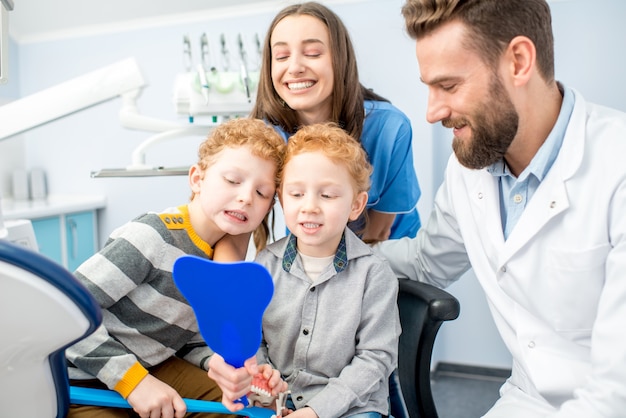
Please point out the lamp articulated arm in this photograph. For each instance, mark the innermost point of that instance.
(69, 97)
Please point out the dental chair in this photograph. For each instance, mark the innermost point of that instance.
(43, 310)
(423, 309)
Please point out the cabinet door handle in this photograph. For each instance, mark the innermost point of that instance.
(74, 242)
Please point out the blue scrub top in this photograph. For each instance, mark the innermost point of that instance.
(387, 139)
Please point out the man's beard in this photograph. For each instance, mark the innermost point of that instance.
(494, 127)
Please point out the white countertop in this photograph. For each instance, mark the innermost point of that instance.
(53, 205)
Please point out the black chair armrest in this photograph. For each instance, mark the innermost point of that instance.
(423, 308)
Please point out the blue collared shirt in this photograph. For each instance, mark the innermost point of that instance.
(515, 193)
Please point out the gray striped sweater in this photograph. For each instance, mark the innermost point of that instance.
(146, 320)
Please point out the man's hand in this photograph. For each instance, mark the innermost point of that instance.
(153, 398)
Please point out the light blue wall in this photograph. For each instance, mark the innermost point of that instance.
(12, 151)
(11, 90)
(590, 37)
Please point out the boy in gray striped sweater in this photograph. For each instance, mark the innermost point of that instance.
(149, 348)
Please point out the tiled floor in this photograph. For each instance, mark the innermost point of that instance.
(462, 391)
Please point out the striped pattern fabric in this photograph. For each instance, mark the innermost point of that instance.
(145, 318)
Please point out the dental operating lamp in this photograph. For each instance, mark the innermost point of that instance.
(200, 92)
(122, 79)
(69, 97)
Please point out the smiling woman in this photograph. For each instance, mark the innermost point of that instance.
(309, 75)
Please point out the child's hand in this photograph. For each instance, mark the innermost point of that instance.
(302, 413)
(154, 398)
(231, 248)
(274, 381)
(265, 387)
(234, 383)
(269, 390)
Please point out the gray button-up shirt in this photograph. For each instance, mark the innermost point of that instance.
(334, 340)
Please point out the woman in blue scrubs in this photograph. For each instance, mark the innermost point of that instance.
(309, 75)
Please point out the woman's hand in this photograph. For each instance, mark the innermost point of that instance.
(378, 226)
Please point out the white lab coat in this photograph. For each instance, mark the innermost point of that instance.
(557, 286)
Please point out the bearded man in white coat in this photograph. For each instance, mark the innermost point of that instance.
(533, 200)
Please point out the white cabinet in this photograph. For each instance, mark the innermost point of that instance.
(66, 228)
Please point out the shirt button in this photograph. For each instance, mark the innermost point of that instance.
(299, 398)
(503, 269)
(531, 344)
(305, 331)
(312, 289)
(517, 198)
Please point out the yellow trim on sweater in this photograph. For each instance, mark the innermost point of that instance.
(131, 379)
(182, 221)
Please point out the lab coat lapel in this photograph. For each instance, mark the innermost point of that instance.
(485, 199)
(551, 197)
(548, 202)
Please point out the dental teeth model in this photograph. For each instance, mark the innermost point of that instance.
(260, 392)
